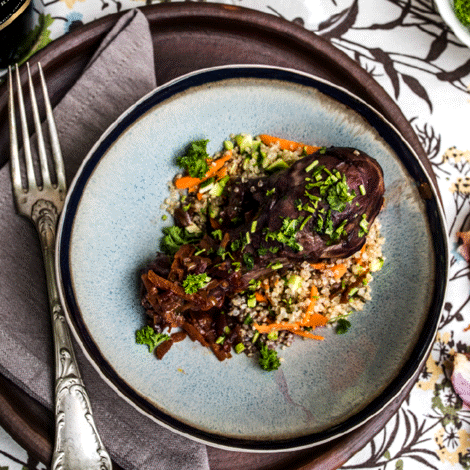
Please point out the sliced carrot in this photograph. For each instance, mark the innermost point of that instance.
(313, 299)
(221, 173)
(339, 270)
(219, 163)
(277, 327)
(314, 320)
(285, 144)
(295, 328)
(186, 182)
(199, 196)
(306, 334)
(189, 182)
(311, 320)
(260, 297)
(319, 266)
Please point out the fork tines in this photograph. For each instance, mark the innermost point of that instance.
(46, 176)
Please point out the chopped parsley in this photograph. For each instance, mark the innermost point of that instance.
(268, 358)
(248, 260)
(339, 195)
(235, 245)
(236, 265)
(270, 192)
(286, 234)
(195, 159)
(217, 234)
(194, 282)
(342, 326)
(254, 284)
(148, 336)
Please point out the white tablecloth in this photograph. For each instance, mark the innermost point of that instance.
(409, 50)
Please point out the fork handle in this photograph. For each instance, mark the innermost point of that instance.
(77, 445)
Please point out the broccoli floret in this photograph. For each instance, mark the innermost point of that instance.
(268, 358)
(195, 159)
(147, 335)
(462, 11)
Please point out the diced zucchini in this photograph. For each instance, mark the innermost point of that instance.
(376, 265)
(294, 281)
(251, 301)
(192, 229)
(244, 141)
(213, 212)
(218, 187)
(277, 165)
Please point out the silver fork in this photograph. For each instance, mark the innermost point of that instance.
(77, 445)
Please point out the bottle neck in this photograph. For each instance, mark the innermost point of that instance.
(19, 6)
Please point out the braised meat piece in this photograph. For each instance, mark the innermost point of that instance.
(319, 208)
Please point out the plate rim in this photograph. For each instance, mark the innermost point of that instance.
(390, 392)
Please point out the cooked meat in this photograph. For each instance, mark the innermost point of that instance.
(319, 208)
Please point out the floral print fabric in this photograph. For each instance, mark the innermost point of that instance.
(409, 50)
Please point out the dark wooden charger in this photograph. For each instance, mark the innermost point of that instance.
(187, 37)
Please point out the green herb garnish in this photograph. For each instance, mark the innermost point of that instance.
(194, 282)
(248, 260)
(195, 159)
(217, 234)
(175, 237)
(286, 234)
(339, 195)
(148, 336)
(342, 326)
(268, 358)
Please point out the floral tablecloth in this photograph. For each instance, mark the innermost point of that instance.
(410, 51)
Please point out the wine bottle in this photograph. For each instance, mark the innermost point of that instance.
(15, 23)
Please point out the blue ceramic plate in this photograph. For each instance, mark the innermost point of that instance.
(112, 224)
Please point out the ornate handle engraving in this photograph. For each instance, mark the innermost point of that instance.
(78, 445)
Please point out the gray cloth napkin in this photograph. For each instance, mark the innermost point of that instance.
(121, 72)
